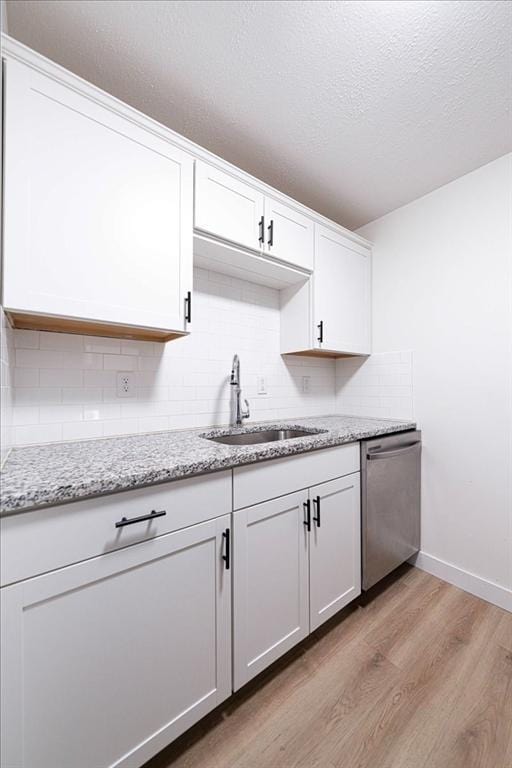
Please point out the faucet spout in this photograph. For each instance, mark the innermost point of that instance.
(239, 413)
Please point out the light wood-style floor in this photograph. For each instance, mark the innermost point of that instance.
(421, 677)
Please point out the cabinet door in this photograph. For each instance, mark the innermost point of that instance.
(341, 293)
(97, 210)
(227, 207)
(270, 583)
(289, 235)
(107, 661)
(334, 547)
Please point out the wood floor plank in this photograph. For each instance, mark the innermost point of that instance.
(504, 632)
(421, 677)
(479, 735)
(398, 638)
(390, 717)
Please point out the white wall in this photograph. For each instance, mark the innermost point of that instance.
(443, 288)
(64, 385)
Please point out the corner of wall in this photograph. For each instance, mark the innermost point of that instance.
(380, 385)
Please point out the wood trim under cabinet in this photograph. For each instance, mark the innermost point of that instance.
(31, 322)
(322, 353)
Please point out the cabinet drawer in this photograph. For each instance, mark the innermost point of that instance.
(46, 539)
(259, 482)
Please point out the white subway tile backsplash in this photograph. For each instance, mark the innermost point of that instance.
(380, 385)
(140, 348)
(82, 430)
(6, 387)
(82, 394)
(39, 395)
(60, 378)
(26, 377)
(102, 345)
(56, 360)
(26, 339)
(61, 341)
(99, 378)
(37, 433)
(101, 412)
(119, 363)
(25, 414)
(71, 379)
(49, 414)
(120, 427)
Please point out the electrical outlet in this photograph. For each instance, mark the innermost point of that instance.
(305, 384)
(262, 385)
(125, 384)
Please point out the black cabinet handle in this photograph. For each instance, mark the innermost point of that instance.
(227, 556)
(261, 238)
(320, 327)
(316, 517)
(188, 307)
(130, 521)
(307, 509)
(271, 232)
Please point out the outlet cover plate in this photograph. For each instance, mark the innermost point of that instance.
(125, 384)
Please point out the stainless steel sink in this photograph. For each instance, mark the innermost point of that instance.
(266, 436)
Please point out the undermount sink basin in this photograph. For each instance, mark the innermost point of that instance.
(266, 436)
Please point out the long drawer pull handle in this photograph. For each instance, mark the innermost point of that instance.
(389, 454)
(316, 518)
(261, 224)
(130, 521)
(188, 307)
(307, 509)
(271, 232)
(227, 556)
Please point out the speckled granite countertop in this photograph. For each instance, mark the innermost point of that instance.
(39, 476)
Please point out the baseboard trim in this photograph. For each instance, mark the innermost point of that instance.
(469, 582)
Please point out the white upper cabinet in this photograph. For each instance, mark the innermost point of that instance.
(104, 215)
(289, 235)
(236, 212)
(341, 294)
(227, 207)
(97, 213)
(330, 314)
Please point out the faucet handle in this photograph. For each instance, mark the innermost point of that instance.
(246, 414)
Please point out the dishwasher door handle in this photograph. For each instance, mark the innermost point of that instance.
(394, 452)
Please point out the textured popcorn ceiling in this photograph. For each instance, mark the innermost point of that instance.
(353, 108)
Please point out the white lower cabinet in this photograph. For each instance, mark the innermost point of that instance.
(334, 547)
(120, 630)
(296, 562)
(106, 661)
(270, 584)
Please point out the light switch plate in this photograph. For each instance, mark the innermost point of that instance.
(262, 385)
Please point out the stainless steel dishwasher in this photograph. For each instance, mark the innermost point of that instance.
(390, 503)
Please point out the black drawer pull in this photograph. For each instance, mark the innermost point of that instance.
(261, 225)
(271, 232)
(188, 307)
(130, 521)
(227, 556)
(316, 517)
(307, 521)
(320, 327)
